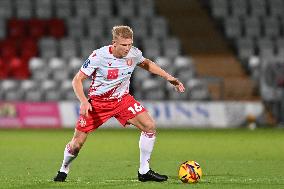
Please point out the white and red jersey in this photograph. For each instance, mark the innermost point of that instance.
(110, 75)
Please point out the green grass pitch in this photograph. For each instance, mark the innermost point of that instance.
(231, 158)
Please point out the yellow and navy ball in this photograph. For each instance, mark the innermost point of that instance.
(190, 172)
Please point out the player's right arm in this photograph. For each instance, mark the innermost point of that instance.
(77, 84)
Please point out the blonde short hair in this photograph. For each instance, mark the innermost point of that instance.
(122, 31)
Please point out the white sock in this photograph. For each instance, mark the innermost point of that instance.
(68, 158)
(146, 144)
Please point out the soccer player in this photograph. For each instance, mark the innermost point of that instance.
(111, 68)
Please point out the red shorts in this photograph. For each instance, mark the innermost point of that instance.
(124, 109)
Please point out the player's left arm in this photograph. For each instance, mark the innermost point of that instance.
(155, 69)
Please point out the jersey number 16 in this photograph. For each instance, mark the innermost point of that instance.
(136, 108)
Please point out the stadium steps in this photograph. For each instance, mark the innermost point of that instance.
(211, 53)
(236, 85)
(191, 23)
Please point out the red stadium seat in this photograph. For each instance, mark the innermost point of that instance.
(3, 69)
(27, 54)
(18, 69)
(8, 49)
(16, 28)
(21, 74)
(28, 49)
(36, 28)
(56, 28)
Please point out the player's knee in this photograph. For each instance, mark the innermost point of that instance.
(150, 127)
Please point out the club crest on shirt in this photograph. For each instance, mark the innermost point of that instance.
(129, 62)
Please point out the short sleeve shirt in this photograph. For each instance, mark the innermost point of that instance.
(110, 75)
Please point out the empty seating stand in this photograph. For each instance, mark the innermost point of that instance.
(256, 30)
(45, 42)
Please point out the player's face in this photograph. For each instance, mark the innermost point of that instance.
(122, 46)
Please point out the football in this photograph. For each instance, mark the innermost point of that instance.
(190, 172)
